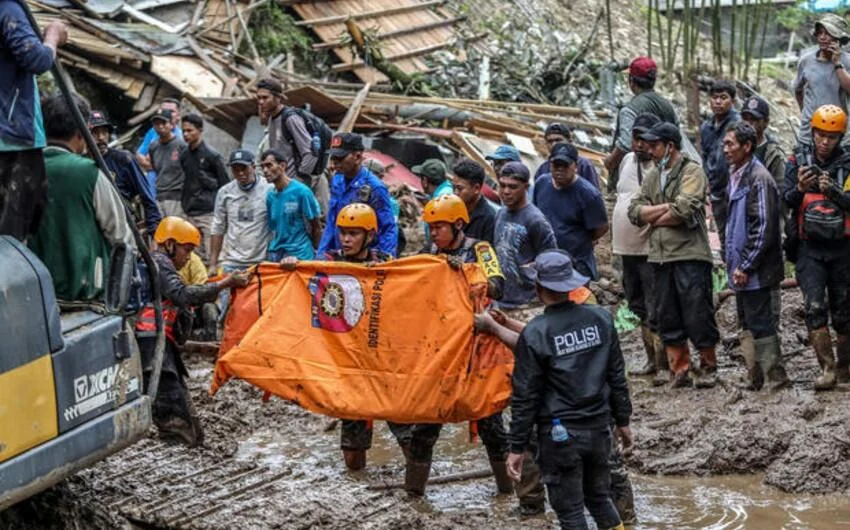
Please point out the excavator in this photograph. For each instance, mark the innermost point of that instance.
(71, 385)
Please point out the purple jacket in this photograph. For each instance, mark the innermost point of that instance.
(753, 243)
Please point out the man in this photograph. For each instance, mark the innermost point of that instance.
(632, 244)
(358, 228)
(447, 216)
(293, 212)
(173, 412)
(817, 191)
(143, 153)
(432, 175)
(672, 202)
(711, 134)
(240, 226)
(378, 169)
(354, 183)
(574, 208)
(642, 74)
(502, 155)
(84, 216)
(165, 154)
(522, 232)
(468, 182)
(289, 136)
(23, 183)
(128, 176)
(205, 174)
(558, 133)
(754, 256)
(822, 77)
(558, 383)
(756, 112)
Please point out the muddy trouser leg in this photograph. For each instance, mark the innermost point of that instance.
(355, 435)
(693, 289)
(633, 286)
(418, 467)
(838, 288)
(622, 493)
(403, 433)
(492, 432)
(812, 278)
(23, 192)
(755, 311)
(576, 476)
(171, 394)
(530, 490)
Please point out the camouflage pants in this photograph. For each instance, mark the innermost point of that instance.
(356, 435)
(491, 430)
(23, 192)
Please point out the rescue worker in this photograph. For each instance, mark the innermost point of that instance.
(569, 380)
(173, 412)
(128, 175)
(672, 201)
(447, 216)
(754, 256)
(357, 225)
(817, 191)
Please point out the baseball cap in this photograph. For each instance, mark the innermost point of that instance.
(98, 119)
(644, 122)
(564, 152)
(756, 107)
(162, 114)
(504, 152)
(343, 144)
(663, 131)
(515, 170)
(272, 85)
(643, 66)
(432, 169)
(241, 157)
(557, 128)
(553, 269)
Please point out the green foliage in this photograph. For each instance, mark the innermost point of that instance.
(793, 17)
(274, 33)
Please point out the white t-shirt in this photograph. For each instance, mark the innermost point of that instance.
(242, 218)
(626, 238)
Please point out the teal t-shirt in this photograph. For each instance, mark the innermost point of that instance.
(289, 212)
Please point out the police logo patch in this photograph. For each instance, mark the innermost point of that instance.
(337, 302)
(753, 104)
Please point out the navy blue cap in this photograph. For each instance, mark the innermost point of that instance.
(241, 157)
(756, 107)
(515, 170)
(564, 152)
(553, 269)
(343, 144)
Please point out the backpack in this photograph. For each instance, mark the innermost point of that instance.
(318, 130)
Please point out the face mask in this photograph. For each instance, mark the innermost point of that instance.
(663, 163)
(249, 186)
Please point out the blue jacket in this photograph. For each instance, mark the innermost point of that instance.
(22, 56)
(345, 192)
(131, 182)
(753, 243)
(713, 160)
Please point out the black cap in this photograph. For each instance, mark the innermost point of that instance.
(557, 128)
(515, 170)
(663, 131)
(343, 144)
(756, 107)
(564, 152)
(553, 269)
(99, 119)
(241, 157)
(163, 114)
(644, 122)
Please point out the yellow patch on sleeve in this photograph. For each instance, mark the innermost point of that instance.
(487, 260)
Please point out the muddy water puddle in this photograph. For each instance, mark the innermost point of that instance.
(716, 503)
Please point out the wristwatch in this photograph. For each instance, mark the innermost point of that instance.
(838, 66)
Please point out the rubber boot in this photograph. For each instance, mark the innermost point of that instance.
(663, 375)
(648, 345)
(769, 354)
(842, 363)
(754, 379)
(500, 471)
(416, 476)
(707, 377)
(209, 314)
(620, 526)
(679, 357)
(822, 343)
(355, 459)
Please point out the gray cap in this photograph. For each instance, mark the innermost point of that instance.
(553, 270)
(835, 25)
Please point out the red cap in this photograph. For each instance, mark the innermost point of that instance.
(643, 67)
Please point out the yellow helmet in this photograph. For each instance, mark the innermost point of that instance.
(178, 229)
(357, 215)
(447, 209)
(829, 118)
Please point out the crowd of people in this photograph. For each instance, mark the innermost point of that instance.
(293, 198)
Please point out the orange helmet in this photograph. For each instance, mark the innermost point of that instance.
(357, 215)
(447, 209)
(178, 229)
(829, 118)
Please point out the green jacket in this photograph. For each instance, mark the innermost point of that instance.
(69, 240)
(685, 190)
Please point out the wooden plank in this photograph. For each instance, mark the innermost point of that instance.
(217, 25)
(364, 15)
(461, 141)
(404, 55)
(202, 55)
(353, 111)
(186, 74)
(399, 32)
(145, 99)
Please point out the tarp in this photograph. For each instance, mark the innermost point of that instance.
(393, 341)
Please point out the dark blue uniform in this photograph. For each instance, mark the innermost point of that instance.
(132, 183)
